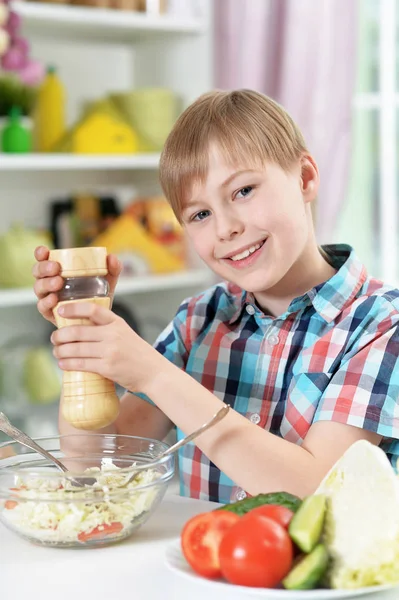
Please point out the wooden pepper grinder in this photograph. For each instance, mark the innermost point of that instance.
(89, 400)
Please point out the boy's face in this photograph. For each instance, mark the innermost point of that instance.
(252, 226)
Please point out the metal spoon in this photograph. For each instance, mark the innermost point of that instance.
(22, 438)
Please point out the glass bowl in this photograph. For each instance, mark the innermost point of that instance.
(51, 508)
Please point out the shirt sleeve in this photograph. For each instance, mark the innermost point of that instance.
(364, 391)
(172, 343)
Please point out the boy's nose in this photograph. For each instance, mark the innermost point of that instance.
(228, 227)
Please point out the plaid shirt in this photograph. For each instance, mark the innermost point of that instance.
(332, 356)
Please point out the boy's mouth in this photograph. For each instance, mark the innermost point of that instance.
(246, 253)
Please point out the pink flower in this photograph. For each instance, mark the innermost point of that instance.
(13, 24)
(32, 73)
(22, 44)
(13, 59)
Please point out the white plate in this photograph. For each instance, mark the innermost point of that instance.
(177, 563)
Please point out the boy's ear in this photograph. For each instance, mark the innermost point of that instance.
(309, 178)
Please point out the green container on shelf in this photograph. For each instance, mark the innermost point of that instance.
(15, 137)
(151, 112)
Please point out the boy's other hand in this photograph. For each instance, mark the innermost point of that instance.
(114, 267)
(49, 281)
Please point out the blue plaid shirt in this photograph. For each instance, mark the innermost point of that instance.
(332, 356)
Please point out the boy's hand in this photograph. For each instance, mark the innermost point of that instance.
(110, 348)
(49, 282)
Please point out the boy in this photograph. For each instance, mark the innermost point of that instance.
(300, 342)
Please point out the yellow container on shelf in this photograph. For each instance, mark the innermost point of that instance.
(125, 235)
(101, 134)
(49, 114)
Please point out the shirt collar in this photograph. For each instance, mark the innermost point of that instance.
(329, 298)
(240, 300)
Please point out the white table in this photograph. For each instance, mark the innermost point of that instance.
(132, 570)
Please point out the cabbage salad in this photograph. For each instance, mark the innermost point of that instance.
(55, 511)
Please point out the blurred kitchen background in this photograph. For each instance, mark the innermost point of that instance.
(89, 90)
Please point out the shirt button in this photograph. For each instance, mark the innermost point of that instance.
(240, 495)
(250, 309)
(273, 339)
(255, 418)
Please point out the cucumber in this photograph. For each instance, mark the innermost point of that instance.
(306, 525)
(309, 571)
(281, 498)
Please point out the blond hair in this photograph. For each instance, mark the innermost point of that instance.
(249, 129)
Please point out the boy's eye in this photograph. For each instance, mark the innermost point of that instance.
(245, 191)
(200, 216)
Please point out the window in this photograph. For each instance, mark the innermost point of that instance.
(369, 220)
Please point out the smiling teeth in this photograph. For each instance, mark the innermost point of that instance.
(246, 252)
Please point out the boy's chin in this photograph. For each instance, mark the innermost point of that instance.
(253, 284)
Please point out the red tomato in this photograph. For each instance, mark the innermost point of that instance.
(100, 532)
(280, 514)
(200, 540)
(256, 552)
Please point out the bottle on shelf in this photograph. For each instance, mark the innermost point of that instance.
(49, 114)
(15, 137)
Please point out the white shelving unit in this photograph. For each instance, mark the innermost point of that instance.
(102, 23)
(70, 162)
(99, 51)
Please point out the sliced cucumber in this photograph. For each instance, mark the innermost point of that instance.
(307, 523)
(281, 498)
(310, 570)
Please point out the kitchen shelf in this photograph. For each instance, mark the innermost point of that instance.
(126, 285)
(73, 162)
(101, 23)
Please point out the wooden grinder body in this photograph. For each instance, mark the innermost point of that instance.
(89, 401)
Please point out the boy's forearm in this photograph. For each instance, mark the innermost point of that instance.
(253, 458)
